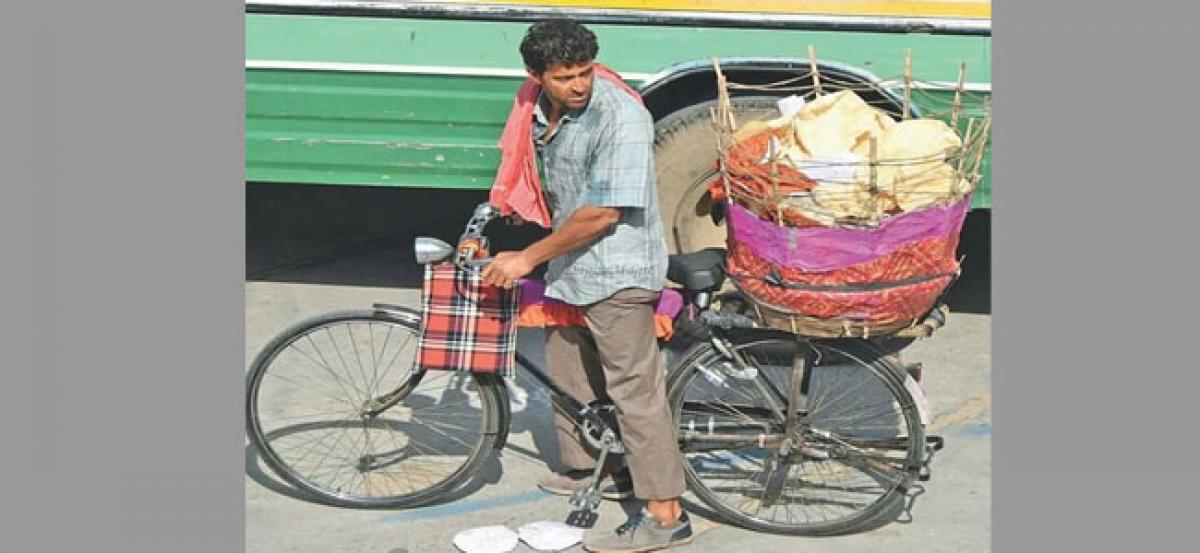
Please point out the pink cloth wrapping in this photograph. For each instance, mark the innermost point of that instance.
(517, 187)
(831, 248)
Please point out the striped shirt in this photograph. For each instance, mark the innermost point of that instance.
(603, 155)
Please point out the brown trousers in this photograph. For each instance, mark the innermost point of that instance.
(617, 357)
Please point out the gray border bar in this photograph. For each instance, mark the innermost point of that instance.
(130, 360)
(1095, 302)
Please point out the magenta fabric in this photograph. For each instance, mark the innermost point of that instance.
(669, 303)
(533, 291)
(831, 248)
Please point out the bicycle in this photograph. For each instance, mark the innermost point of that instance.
(778, 432)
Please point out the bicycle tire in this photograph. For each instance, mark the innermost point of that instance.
(396, 478)
(861, 499)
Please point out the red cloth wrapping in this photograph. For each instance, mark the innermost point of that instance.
(517, 187)
(898, 286)
(880, 307)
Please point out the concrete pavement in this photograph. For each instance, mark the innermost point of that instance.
(953, 515)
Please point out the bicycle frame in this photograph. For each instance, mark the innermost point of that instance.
(582, 413)
(577, 410)
(779, 435)
(782, 404)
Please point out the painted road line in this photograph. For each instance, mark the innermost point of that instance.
(965, 411)
(458, 508)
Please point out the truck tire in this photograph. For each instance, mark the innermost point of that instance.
(685, 158)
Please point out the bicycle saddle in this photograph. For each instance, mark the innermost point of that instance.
(698, 271)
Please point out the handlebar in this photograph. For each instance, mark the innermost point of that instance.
(465, 257)
(472, 242)
(477, 263)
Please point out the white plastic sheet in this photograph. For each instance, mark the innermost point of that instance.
(545, 535)
(486, 539)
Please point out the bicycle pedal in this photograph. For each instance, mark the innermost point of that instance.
(582, 518)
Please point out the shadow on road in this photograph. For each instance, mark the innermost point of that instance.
(488, 473)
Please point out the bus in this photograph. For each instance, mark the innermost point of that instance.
(380, 93)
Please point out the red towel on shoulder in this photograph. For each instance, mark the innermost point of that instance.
(517, 186)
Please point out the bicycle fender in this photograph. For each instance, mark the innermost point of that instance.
(500, 425)
(405, 314)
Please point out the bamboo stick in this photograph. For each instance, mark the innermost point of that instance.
(873, 169)
(907, 83)
(724, 128)
(962, 155)
(723, 96)
(962, 74)
(987, 126)
(816, 74)
(778, 195)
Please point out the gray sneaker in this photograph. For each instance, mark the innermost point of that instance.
(613, 488)
(640, 533)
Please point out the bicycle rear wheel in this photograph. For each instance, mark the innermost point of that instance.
(861, 438)
(336, 407)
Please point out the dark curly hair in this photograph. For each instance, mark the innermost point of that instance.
(557, 41)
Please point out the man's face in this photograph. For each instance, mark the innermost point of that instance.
(567, 86)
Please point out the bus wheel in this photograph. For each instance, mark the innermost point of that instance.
(685, 157)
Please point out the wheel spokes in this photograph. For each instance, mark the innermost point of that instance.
(318, 409)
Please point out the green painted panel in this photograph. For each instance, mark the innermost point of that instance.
(427, 130)
(374, 129)
(626, 48)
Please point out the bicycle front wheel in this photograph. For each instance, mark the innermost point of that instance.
(337, 407)
(846, 468)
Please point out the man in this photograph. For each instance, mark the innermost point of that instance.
(607, 254)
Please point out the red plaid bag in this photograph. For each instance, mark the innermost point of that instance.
(467, 325)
